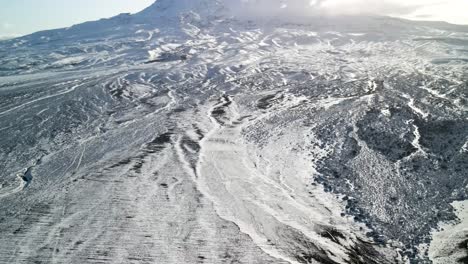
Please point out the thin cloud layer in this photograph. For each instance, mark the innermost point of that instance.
(382, 7)
(447, 10)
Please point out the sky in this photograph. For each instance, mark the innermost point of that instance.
(20, 17)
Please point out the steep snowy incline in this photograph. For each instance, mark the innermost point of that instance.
(185, 134)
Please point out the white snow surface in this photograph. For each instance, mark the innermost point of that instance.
(190, 133)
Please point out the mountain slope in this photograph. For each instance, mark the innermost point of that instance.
(188, 134)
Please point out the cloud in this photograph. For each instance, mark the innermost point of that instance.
(5, 37)
(304, 8)
(453, 11)
(7, 31)
(6, 26)
(383, 7)
(273, 8)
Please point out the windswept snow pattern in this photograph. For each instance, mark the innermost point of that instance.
(183, 134)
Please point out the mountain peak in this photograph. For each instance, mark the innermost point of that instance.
(173, 8)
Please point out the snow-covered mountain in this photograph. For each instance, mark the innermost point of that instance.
(130, 38)
(194, 132)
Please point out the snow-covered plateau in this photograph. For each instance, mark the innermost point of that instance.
(188, 133)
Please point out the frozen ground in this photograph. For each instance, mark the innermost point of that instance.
(183, 135)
